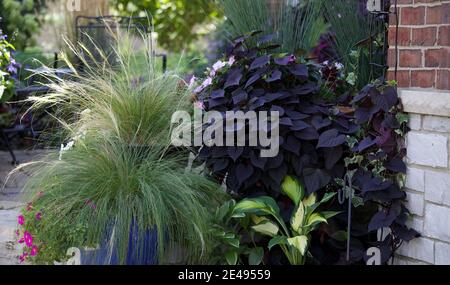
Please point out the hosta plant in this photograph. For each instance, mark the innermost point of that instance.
(266, 219)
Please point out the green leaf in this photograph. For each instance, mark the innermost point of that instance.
(299, 242)
(329, 214)
(293, 189)
(327, 197)
(233, 242)
(276, 240)
(297, 218)
(315, 219)
(267, 228)
(260, 206)
(256, 256)
(231, 257)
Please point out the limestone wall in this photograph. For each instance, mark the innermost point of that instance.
(428, 177)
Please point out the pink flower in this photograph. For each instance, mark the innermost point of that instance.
(199, 105)
(28, 239)
(90, 204)
(29, 206)
(231, 60)
(22, 240)
(23, 257)
(21, 220)
(206, 83)
(34, 251)
(218, 65)
(38, 216)
(192, 81)
(17, 233)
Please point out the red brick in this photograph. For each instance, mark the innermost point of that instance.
(391, 57)
(444, 36)
(433, 57)
(424, 36)
(443, 79)
(404, 36)
(422, 78)
(410, 58)
(412, 15)
(446, 13)
(403, 77)
(434, 15)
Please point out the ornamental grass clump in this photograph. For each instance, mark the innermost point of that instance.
(118, 175)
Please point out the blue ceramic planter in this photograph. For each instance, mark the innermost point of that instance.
(107, 253)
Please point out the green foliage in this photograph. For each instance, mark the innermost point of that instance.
(352, 30)
(119, 168)
(6, 82)
(267, 221)
(19, 21)
(177, 23)
(296, 26)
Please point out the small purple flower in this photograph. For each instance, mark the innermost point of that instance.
(34, 251)
(21, 220)
(28, 239)
(38, 216)
(17, 232)
(21, 240)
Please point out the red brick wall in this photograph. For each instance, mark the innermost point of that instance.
(423, 43)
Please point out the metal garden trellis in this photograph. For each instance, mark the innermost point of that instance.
(379, 12)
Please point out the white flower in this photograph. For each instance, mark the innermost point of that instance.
(351, 78)
(338, 65)
(325, 62)
(65, 148)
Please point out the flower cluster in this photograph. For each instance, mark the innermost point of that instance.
(8, 68)
(24, 236)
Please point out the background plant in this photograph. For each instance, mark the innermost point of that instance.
(352, 44)
(295, 25)
(19, 21)
(178, 23)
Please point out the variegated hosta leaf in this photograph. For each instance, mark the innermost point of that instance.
(292, 188)
(310, 200)
(315, 219)
(297, 219)
(261, 206)
(299, 242)
(267, 228)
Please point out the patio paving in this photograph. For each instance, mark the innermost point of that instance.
(11, 202)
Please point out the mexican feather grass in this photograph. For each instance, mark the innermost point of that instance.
(121, 171)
